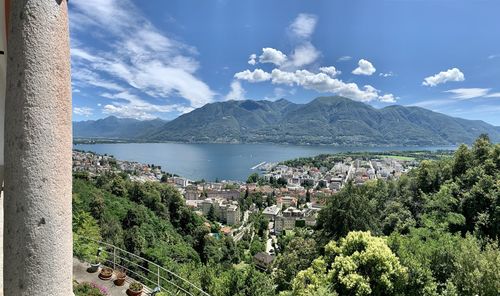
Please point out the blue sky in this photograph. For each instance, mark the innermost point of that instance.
(147, 59)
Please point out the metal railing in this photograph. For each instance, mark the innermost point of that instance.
(145, 271)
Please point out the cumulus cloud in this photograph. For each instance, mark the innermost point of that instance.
(237, 92)
(133, 56)
(303, 26)
(320, 82)
(453, 74)
(257, 75)
(324, 83)
(252, 60)
(387, 98)
(364, 68)
(83, 111)
(273, 56)
(468, 93)
(332, 71)
(304, 54)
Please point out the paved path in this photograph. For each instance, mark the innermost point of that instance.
(81, 275)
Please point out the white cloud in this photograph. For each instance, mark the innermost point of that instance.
(344, 59)
(493, 56)
(271, 55)
(302, 55)
(303, 26)
(129, 105)
(468, 93)
(493, 95)
(332, 71)
(136, 56)
(83, 111)
(257, 75)
(237, 92)
(322, 82)
(388, 98)
(442, 77)
(389, 74)
(252, 59)
(364, 68)
(433, 103)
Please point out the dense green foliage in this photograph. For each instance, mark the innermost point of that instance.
(325, 120)
(152, 220)
(434, 231)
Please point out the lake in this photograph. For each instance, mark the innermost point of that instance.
(222, 161)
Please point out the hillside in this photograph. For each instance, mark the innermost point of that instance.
(114, 128)
(325, 120)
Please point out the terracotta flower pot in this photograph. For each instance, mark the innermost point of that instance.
(135, 289)
(106, 273)
(133, 293)
(120, 279)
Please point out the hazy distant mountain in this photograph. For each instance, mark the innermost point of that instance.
(325, 120)
(115, 128)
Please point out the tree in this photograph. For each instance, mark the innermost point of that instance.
(253, 178)
(346, 211)
(461, 161)
(297, 255)
(86, 235)
(359, 264)
(97, 205)
(211, 216)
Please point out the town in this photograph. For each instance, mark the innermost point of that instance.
(288, 194)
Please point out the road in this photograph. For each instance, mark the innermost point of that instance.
(242, 232)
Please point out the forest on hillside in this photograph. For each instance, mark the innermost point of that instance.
(434, 231)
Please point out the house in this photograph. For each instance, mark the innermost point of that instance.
(292, 217)
(271, 212)
(233, 215)
(263, 260)
(224, 194)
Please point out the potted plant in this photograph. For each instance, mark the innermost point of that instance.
(135, 289)
(106, 273)
(94, 263)
(120, 277)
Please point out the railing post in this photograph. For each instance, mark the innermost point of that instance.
(114, 258)
(158, 283)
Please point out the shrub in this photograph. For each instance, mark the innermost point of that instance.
(89, 289)
(136, 287)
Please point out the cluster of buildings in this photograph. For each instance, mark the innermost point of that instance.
(224, 202)
(287, 218)
(331, 180)
(227, 212)
(96, 164)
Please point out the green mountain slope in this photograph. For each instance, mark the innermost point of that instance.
(114, 128)
(325, 120)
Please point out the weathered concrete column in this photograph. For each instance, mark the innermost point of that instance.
(38, 143)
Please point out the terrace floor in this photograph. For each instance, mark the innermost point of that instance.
(81, 275)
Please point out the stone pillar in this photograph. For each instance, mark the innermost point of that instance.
(38, 143)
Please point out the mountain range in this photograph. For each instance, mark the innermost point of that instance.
(325, 120)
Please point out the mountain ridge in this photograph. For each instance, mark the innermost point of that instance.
(324, 120)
